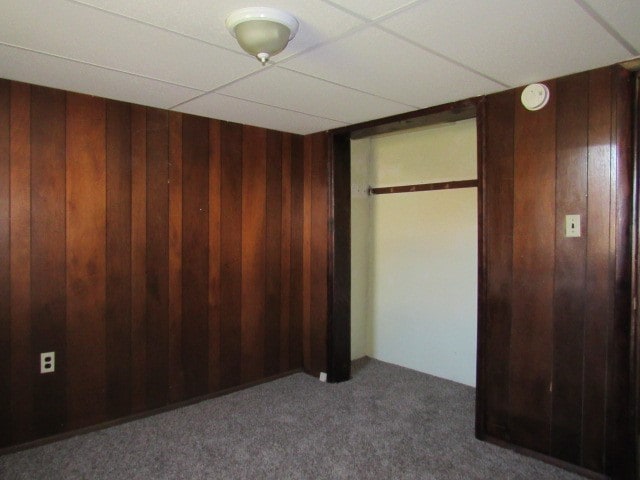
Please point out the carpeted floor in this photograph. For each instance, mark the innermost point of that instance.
(387, 423)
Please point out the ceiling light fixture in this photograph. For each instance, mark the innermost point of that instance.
(262, 32)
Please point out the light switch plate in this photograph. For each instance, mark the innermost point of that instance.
(572, 226)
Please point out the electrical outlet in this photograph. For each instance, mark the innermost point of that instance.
(323, 377)
(48, 362)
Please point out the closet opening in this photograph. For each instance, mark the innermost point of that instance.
(404, 243)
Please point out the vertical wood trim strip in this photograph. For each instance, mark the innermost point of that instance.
(195, 255)
(498, 244)
(118, 248)
(297, 263)
(215, 142)
(231, 253)
(48, 287)
(533, 267)
(138, 256)
(5, 262)
(253, 252)
(86, 264)
(285, 255)
(318, 254)
(306, 255)
(570, 275)
(176, 373)
(21, 350)
(157, 271)
(273, 247)
(621, 444)
(598, 291)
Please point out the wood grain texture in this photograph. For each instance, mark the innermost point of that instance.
(215, 280)
(231, 253)
(285, 254)
(22, 363)
(621, 456)
(318, 254)
(339, 266)
(121, 249)
(530, 357)
(48, 259)
(297, 228)
(599, 306)
(138, 257)
(575, 160)
(118, 259)
(5, 263)
(498, 261)
(425, 187)
(570, 276)
(195, 255)
(176, 366)
(273, 251)
(157, 259)
(307, 210)
(253, 252)
(86, 263)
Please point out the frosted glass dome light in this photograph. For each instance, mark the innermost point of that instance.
(262, 32)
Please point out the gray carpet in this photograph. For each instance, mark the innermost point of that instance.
(387, 423)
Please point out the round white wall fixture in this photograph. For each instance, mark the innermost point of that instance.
(535, 96)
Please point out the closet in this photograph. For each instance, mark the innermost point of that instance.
(414, 242)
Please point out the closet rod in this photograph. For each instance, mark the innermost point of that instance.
(424, 187)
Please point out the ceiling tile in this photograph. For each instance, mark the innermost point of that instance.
(82, 33)
(236, 110)
(373, 9)
(510, 40)
(411, 75)
(293, 91)
(205, 19)
(623, 16)
(40, 69)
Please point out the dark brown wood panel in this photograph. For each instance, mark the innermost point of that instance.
(531, 351)
(195, 254)
(599, 307)
(424, 187)
(318, 254)
(48, 278)
(150, 250)
(339, 267)
(273, 250)
(176, 366)
(285, 254)
(495, 331)
(138, 256)
(5, 263)
(231, 253)
(86, 264)
(306, 254)
(118, 259)
(296, 259)
(22, 358)
(253, 252)
(572, 110)
(215, 281)
(157, 259)
(621, 453)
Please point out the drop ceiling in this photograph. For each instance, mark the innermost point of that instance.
(352, 60)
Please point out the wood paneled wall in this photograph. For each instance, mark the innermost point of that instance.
(161, 256)
(554, 336)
